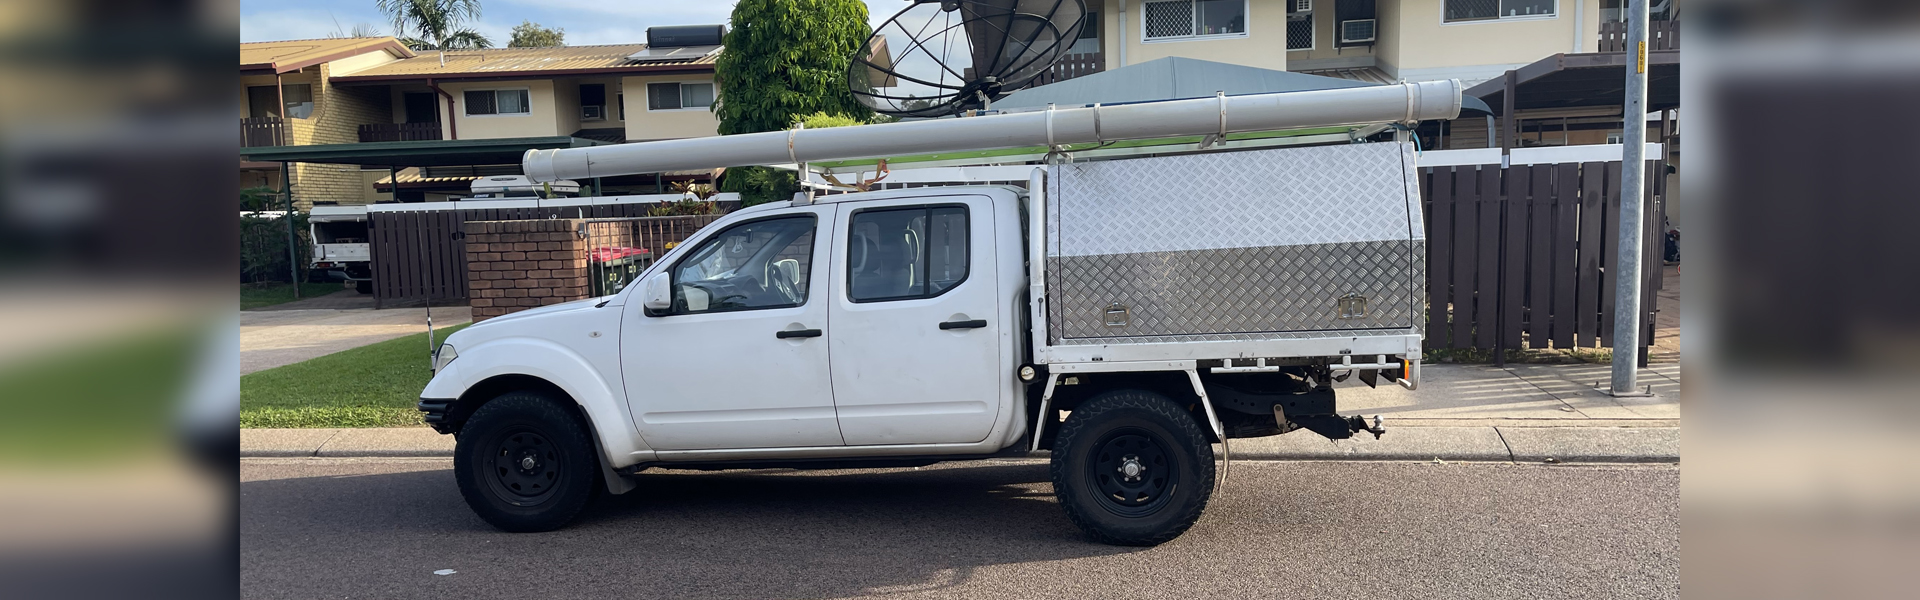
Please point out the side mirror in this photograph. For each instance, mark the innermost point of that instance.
(659, 291)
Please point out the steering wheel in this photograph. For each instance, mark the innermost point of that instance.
(780, 284)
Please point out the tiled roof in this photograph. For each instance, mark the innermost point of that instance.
(504, 62)
(291, 55)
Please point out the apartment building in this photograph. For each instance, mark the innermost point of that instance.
(288, 98)
(1372, 40)
(399, 98)
(1379, 41)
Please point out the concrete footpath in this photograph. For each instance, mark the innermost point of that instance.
(1522, 413)
(282, 336)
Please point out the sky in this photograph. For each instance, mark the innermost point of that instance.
(585, 21)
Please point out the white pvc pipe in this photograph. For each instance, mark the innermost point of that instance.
(1406, 102)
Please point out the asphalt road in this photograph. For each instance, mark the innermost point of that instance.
(380, 528)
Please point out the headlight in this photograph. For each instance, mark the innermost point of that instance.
(443, 356)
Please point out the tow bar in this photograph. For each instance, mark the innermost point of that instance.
(1333, 427)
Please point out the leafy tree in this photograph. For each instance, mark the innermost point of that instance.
(529, 34)
(823, 120)
(439, 23)
(784, 59)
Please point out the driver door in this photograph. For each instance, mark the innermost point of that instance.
(740, 360)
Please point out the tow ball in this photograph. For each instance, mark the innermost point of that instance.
(1357, 424)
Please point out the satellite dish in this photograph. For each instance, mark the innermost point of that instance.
(942, 57)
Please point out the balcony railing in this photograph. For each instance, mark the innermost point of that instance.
(399, 132)
(1073, 65)
(260, 132)
(1661, 35)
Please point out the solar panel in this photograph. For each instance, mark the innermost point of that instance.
(676, 53)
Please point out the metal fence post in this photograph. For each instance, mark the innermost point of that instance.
(1626, 311)
(293, 247)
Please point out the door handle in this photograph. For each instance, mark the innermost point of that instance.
(797, 333)
(973, 324)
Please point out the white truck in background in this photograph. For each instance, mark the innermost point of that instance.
(341, 248)
(1124, 315)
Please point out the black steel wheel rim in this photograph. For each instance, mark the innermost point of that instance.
(524, 468)
(1132, 472)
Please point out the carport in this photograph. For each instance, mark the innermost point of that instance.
(1582, 92)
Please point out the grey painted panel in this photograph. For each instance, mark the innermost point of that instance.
(1235, 291)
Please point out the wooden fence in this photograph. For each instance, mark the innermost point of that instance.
(420, 255)
(261, 132)
(399, 132)
(1661, 35)
(1071, 66)
(1526, 256)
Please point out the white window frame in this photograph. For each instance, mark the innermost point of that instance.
(1496, 19)
(1246, 6)
(465, 108)
(647, 96)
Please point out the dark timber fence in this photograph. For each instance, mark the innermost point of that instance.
(1526, 256)
(420, 255)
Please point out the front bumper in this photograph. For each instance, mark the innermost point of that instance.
(437, 410)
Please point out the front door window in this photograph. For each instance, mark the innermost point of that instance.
(757, 265)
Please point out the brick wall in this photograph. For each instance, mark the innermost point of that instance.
(517, 265)
(338, 113)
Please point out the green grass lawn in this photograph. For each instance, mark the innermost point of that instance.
(256, 295)
(370, 386)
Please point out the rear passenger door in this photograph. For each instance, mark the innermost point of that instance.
(914, 346)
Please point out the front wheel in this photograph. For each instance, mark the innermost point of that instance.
(525, 463)
(1131, 468)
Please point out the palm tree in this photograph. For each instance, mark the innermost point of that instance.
(439, 23)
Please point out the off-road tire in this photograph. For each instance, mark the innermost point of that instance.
(547, 494)
(363, 286)
(1167, 432)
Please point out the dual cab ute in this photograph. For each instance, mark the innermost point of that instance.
(1123, 315)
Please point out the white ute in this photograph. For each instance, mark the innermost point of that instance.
(1160, 304)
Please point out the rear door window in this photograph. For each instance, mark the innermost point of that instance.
(906, 253)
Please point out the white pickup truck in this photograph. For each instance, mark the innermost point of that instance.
(1159, 312)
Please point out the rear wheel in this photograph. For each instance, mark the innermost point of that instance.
(363, 286)
(524, 463)
(1131, 468)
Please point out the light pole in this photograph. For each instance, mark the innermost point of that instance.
(1633, 134)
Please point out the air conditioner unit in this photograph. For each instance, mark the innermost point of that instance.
(593, 112)
(1299, 6)
(1357, 31)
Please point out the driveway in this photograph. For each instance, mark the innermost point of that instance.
(283, 336)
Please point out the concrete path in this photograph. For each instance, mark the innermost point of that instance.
(271, 338)
(1523, 413)
(1485, 443)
